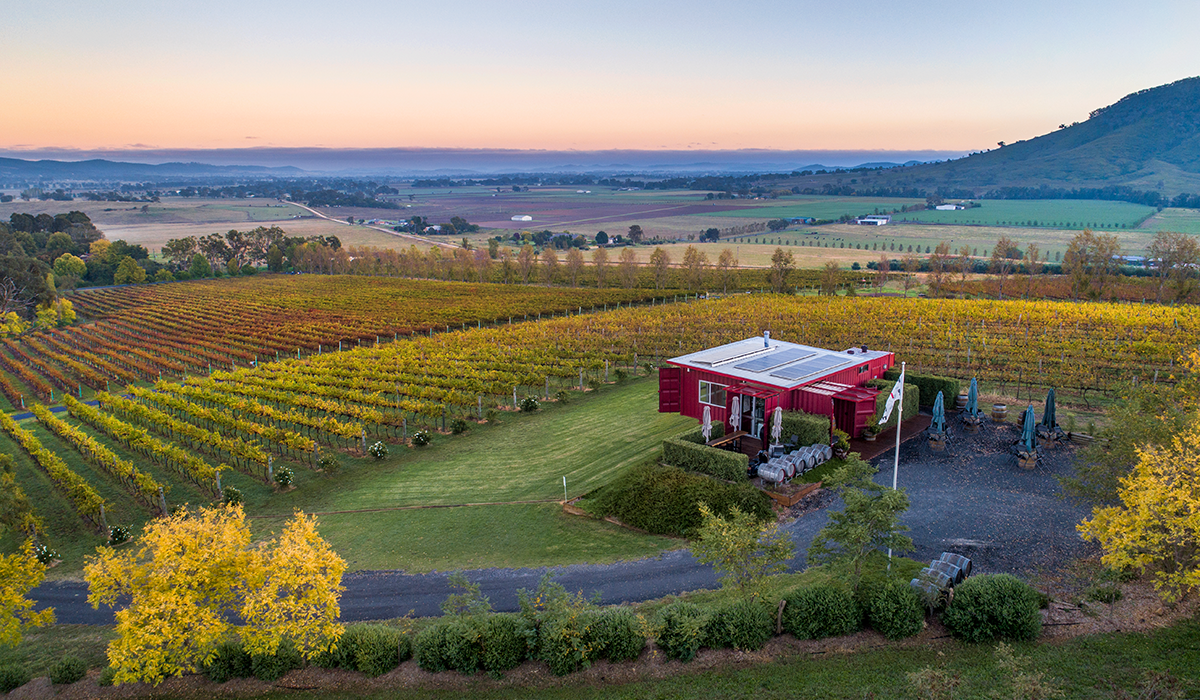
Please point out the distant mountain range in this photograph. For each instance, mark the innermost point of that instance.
(427, 162)
(1149, 141)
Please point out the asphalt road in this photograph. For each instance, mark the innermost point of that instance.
(972, 499)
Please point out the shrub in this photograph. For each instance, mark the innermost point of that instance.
(664, 500)
(681, 630)
(562, 396)
(119, 534)
(813, 612)
(230, 661)
(67, 670)
(420, 438)
(13, 676)
(928, 385)
(1102, 593)
(44, 554)
(688, 451)
(458, 426)
(329, 464)
(505, 643)
(106, 676)
(993, 606)
(231, 496)
(284, 476)
(570, 640)
(492, 416)
(620, 634)
(594, 384)
(621, 375)
(272, 667)
(529, 404)
(373, 649)
(453, 645)
(743, 624)
(895, 610)
(379, 450)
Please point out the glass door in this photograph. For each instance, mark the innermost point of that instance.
(754, 411)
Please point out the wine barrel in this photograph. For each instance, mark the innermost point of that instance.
(958, 560)
(956, 574)
(999, 412)
(937, 578)
(961, 403)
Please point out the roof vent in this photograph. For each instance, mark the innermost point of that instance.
(766, 339)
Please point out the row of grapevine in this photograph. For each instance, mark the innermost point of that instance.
(166, 454)
(139, 484)
(87, 502)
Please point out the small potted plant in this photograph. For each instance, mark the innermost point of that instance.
(872, 430)
(841, 444)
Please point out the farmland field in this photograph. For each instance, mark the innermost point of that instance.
(1046, 213)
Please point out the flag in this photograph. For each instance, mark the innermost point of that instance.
(896, 395)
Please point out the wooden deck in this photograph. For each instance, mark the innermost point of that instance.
(911, 428)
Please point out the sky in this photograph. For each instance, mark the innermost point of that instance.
(574, 75)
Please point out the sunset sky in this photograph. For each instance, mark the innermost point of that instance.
(575, 75)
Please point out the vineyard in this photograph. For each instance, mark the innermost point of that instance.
(146, 333)
(176, 439)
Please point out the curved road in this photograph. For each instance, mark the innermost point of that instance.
(972, 500)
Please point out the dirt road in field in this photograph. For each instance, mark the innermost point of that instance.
(971, 499)
(390, 232)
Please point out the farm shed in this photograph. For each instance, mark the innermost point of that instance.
(765, 374)
(873, 220)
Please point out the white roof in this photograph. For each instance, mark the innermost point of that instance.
(775, 362)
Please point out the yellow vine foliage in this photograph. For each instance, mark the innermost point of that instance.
(193, 569)
(19, 574)
(294, 593)
(1157, 526)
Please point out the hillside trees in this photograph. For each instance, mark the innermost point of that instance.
(193, 571)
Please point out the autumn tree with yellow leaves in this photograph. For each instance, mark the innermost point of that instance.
(194, 571)
(19, 574)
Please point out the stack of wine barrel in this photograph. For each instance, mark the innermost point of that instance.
(943, 574)
(785, 467)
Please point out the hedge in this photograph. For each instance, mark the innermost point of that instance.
(912, 399)
(810, 429)
(663, 500)
(994, 606)
(930, 385)
(823, 610)
(696, 435)
(687, 451)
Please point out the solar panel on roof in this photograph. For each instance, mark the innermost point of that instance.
(775, 359)
(721, 356)
(810, 367)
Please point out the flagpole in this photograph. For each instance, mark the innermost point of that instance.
(896, 463)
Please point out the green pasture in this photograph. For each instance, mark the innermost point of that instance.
(1071, 214)
(1178, 220)
(816, 206)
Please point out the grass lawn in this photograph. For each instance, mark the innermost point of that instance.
(523, 458)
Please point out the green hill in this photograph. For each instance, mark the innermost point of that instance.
(1149, 140)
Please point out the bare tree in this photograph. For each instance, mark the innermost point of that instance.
(600, 262)
(627, 265)
(882, 269)
(1175, 257)
(964, 263)
(1033, 266)
(1003, 255)
(550, 264)
(660, 265)
(574, 264)
(1091, 261)
(526, 259)
(831, 276)
(939, 267)
(694, 264)
(911, 264)
(726, 265)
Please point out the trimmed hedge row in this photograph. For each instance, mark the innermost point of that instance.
(693, 455)
(809, 429)
(929, 384)
(912, 398)
(663, 500)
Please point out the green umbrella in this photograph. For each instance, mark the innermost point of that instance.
(1049, 419)
(1027, 430)
(939, 414)
(973, 398)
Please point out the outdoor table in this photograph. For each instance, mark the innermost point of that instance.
(734, 438)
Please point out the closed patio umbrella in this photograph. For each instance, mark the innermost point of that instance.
(939, 414)
(1027, 428)
(777, 425)
(973, 398)
(706, 426)
(735, 414)
(1049, 419)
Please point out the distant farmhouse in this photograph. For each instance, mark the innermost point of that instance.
(949, 207)
(873, 220)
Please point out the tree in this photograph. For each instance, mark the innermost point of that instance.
(1157, 526)
(694, 264)
(660, 266)
(550, 264)
(129, 272)
(1090, 261)
(525, 262)
(1033, 266)
(627, 267)
(777, 225)
(635, 234)
(911, 263)
(964, 263)
(600, 263)
(742, 549)
(194, 571)
(574, 264)
(711, 234)
(726, 268)
(870, 520)
(601, 238)
(783, 263)
(20, 573)
(881, 271)
(200, 267)
(939, 267)
(831, 277)
(275, 259)
(68, 270)
(1175, 257)
(1002, 260)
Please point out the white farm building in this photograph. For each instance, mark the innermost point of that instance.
(522, 217)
